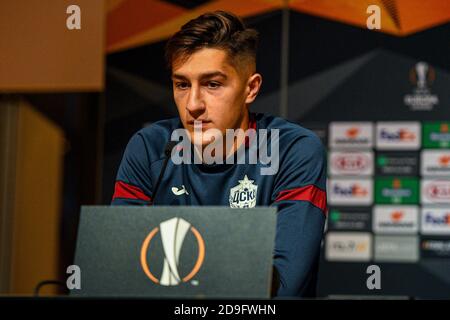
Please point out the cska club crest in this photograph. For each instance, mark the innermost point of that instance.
(244, 194)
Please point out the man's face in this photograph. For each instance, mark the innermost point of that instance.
(208, 88)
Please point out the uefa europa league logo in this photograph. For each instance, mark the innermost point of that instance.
(422, 75)
(421, 72)
(172, 233)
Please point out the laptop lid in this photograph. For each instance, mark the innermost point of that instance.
(184, 252)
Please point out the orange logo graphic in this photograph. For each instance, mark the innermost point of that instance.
(396, 216)
(406, 135)
(444, 161)
(352, 132)
(359, 191)
(396, 184)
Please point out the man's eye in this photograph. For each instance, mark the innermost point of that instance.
(213, 85)
(181, 85)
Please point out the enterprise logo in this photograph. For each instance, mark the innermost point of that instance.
(435, 163)
(395, 219)
(351, 134)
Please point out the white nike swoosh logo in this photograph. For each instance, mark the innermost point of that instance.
(178, 191)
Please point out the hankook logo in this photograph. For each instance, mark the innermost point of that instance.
(172, 233)
(351, 163)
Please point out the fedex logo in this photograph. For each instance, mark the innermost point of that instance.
(350, 191)
(435, 221)
(398, 135)
(443, 220)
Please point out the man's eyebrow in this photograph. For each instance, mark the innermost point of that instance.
(203, 76)
(213, 74)
(178, 76)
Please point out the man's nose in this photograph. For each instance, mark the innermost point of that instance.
(195, 105)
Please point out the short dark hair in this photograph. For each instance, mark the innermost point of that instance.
(218, 29)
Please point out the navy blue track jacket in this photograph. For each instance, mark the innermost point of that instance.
(298, 190)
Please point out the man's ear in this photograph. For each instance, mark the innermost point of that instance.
(253, 86)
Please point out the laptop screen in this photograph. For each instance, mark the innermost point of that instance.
(190, 252)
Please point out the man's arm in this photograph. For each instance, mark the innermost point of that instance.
(133, 183)
(300, 195)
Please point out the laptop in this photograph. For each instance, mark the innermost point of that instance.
(175, 252)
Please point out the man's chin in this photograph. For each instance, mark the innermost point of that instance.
(201, 143)
(204, 139)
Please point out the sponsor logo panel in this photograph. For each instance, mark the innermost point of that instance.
(436, 135)
(396, 219)
(435, 221)
(398, 135)
(434, 191)
(348, 246)
(396, 248)
(397, 164)
(351, 135)
(351, 192)
(349, 219)
(351, 163)
(435, 163)
(435, 247)
(397, 190)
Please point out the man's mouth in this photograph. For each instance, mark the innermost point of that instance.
(198, 122)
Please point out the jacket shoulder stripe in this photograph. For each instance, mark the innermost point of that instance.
(127, 191)
(310, 193)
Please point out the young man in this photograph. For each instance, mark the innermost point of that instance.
(212, 60)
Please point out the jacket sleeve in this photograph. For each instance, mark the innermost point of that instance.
(300, 195)
(133, 183)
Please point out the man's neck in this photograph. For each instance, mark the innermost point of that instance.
(237, 143)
